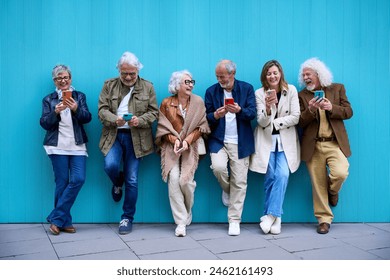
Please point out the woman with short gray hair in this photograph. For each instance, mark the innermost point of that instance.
(181, 124)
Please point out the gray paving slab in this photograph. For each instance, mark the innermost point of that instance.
(123, 254)
(382, 253)
(271, 252)
(382, 226)
(18, 226)
(350, 230)
(234, 243)
(303, 243)
(207, 231)
(162, 245)
(43, 256)
(346, 241)
(84, 232)
(22, 233)
(343, 252)
(370, 242)
(84, 247)
(191, 254)
(26, 247)
(148, 231)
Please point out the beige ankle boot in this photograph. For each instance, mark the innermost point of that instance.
(276, 227)
(266, 223)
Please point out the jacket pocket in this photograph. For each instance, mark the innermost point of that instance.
(141, 104)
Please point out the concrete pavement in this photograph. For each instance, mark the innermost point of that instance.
(298, 241)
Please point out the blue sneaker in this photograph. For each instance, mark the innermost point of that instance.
(116, 191)
(125, 226)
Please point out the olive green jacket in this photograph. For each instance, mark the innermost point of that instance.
(142, 104)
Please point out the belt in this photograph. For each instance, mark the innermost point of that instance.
(325, 139)
(124, 130)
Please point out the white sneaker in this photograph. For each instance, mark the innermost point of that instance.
(276, 227)
(266, 223)
(225, 198)
(180, 231)
(234, 228)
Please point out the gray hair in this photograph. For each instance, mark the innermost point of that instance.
(175, 80)
(323, 72)
(59, 68)
(229, 65)
(131, 59)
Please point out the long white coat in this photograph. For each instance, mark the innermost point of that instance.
(288, 117)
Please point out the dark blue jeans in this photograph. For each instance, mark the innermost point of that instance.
(69, 173)
(123, 149)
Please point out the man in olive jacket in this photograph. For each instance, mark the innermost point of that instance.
(325, 145)
(127, 108)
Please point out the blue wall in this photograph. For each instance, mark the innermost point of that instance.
(351, 36)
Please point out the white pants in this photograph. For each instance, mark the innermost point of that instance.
(181, 197)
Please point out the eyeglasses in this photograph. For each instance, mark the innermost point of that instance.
(187, 82)
(59, 79)
(125, 74)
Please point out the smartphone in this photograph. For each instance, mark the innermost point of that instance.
(319, 94)
(127, 117)
(66, 94)
(272, 93)
(229, 100)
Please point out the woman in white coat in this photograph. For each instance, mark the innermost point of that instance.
(276, 141)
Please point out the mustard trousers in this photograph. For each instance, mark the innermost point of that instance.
(328, 169)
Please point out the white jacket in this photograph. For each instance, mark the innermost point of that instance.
(288, 116)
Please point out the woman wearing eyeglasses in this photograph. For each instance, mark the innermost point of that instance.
(277, 150)
(64, 112)
(181, 123)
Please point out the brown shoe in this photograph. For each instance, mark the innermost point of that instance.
(54, 229)
(323, 228)
(333, 199)
(69, 229)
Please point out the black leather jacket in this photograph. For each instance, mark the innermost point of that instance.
(50, 120)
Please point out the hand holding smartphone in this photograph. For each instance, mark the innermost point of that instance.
(271, 94)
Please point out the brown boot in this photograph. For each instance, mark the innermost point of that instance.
(323, 228)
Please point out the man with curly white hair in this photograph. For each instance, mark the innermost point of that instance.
(325, 145)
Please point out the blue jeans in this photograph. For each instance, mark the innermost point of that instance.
(123, 149)
(69, 173)
(275, 184)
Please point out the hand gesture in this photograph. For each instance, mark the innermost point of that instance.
(220, 112)
(71, 104)
(233, 108)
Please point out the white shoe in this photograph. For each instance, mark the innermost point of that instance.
(266, 223)
(225, 198)
(234, 228)
(180, 231)
(276, 228)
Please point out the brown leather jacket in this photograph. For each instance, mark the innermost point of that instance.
(310, 122)
(170, 108)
